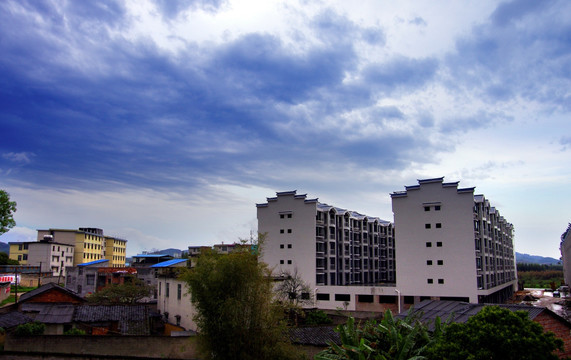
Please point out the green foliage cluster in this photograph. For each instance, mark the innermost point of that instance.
(7, 209)
(31, 328)
(389, 339)
(236, 315)
(5, 259)
(494, 333)
(317, 317)
(130, 292)
(541, 279)
(74, 331)
(538, 267)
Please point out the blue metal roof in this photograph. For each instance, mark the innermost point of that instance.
(93, 262)
(168, 263)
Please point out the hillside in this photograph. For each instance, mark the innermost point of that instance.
(535, 259)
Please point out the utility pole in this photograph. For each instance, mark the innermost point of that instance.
(16, 282)
(40, 275)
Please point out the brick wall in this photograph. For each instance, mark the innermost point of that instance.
(559, 327)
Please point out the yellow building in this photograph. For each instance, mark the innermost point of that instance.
(19, 251)
(115, 251)
(90, 245)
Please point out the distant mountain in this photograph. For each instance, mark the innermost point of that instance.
(172, 252)
(535, 259)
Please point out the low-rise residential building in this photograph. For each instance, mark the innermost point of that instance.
(173, 300)
(46, 253)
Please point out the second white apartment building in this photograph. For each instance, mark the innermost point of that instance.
(446, 243)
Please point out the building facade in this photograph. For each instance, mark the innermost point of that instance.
(565, 248)
(452, 244)
(446, 243)
(347, 258)
(49, 255)
(90, 245)
(173, 298)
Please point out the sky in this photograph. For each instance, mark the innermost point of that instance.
(165, 122)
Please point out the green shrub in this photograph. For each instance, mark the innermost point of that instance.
(317, 318)
(74, 331)
(32, 328)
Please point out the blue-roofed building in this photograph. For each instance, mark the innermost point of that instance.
(96, 263)
(173, 299)
(146, 260)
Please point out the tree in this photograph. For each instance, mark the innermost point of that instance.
(31, 328)
(293, 293)
(236, 315)
(130, 292)
(496, 333)
(5, 259)
(7, 209)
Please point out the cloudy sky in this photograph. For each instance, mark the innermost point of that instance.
(164, 122)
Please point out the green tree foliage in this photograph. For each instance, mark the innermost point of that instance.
(495, 333)
(130, 292)
(74, 331)
(317, 318)
(5, 259)
(7, 209)
(387, 340)
(31, 328)
(236, 315)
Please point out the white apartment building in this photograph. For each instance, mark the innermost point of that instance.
(343, 255)
(446, 243)
(565, 248)
(452, 244)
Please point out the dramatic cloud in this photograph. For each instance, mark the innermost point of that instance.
(130, 100)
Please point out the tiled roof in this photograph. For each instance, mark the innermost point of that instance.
(315, 335)
(45, 288)
(460, 312)
(51, 313)
(13, 319)
(132, 319)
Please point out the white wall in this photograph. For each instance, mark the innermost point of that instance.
(175, 305)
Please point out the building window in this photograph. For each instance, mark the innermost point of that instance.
(282, 216)
(365, 298)
(429, 281)
(428, 244)
(438, 225)
(282, 231)
(281, 246)
(289, 231)
(20, 247)
(281, 262)
(427, 208)
(428, 262)
(177, 317)
(387, 299)
(437, 208)
(289, 246)
(409, 300)
(179, 292)
(160, 288)
(441, 281)
(167, 288)
(427, 226)
(440, 262)
(25, 257)
(289, 262)
(305, 296)
(342, 297)
(289, 216)
(439, 243)
(90, 279)
(19, 257)
(322, 297)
